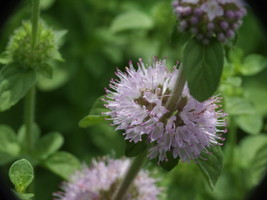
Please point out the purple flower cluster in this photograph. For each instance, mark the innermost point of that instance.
(137, 104)
(100, 181)
(210, 18)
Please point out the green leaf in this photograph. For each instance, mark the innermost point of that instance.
(21, 174)
(59, 78)
(22, 137)
(253, 64)
(179, 38)
(258, 165)
(5, 58)
(45, 4)
(236, 55)
(98, 108)
(212, 167)
(59, 37)
(170, 163)
(255, 91)
(91, 120)
(251, 124)
(248, 148)
(46, 71)
(9, 146)
(25, 196)
(62, 163)
(131, 20)
(48, 144)
(202, 65)
(238, 106)
(14, 84)
(133, 149)
(95, 115)
(234, 81)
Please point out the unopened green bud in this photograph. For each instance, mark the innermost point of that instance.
(23, 54)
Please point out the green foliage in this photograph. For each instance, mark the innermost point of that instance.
(90, 120)
(133, 149)
(47, 145)
(253, 64)
(9, 145)
(25, 196)
(212, 167)
(14, 84)
(238, 106)
(251, 124)
(62, 163)
(96, 115)
(92, 51)
(22, 137)
(59, 76)
(131, 20)
(21, 175)
(170, 163)
(202, 65)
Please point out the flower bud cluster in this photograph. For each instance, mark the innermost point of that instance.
(21, 52)
(210, 18)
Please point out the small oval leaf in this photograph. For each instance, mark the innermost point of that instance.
(9, 145)
(21, 174)
(48, 144)
(62, 163)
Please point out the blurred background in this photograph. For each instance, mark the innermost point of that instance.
(103, 35)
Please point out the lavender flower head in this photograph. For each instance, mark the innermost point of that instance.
(210, 18)
(100, 181)
(137, 104)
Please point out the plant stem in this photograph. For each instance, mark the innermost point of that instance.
(35, 21)
(232, 141)
(130, 175)
(30, 96)
(29, 116)
(177, 91)
(175, 97)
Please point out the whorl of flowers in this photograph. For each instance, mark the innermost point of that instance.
(210, 18)
(19, 49)
(137, 104)
(101, 179)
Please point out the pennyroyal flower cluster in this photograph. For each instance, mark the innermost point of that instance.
(137, 104)
(100, 181)
(210, 18)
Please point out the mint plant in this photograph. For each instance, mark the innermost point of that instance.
(190, 114)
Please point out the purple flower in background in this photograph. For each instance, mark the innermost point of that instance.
(213, 9)
(210, 18)
(100, 180)
(137, 104)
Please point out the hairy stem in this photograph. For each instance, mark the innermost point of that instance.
(175, 96)
(130, 175)
(177, 91)
(29, 116)
(30, 96)
(35, 21)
